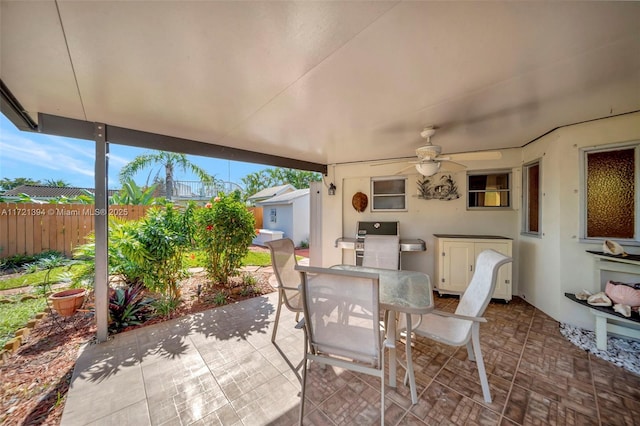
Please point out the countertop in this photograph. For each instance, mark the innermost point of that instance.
(477, 237)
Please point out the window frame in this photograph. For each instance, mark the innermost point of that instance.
(509, 190)
(584, 152)
(375, 195)
(526, 231)
(273, 215)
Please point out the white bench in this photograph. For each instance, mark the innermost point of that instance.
(628, 328)
(265, 235)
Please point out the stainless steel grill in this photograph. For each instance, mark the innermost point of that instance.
(377, 228)
(372, 228)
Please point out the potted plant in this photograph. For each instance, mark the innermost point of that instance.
(67, 302)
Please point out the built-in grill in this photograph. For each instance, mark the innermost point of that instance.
(372, 228)
(377, 228)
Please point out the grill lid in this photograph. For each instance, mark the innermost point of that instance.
(378, 228)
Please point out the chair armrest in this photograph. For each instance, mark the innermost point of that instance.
(289, 288)
(389, 344)
(464, 317)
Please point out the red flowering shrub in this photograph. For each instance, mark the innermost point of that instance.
(224, 230)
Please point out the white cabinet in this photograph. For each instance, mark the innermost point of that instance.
(455, 262)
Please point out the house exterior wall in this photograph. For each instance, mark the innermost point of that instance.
(558, 262)
(300, 221)
(544, 267)
(422, 219)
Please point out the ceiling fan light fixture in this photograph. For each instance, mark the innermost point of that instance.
(428, 169)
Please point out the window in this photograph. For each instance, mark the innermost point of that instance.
(389, 194)
(489, 190)
(610, 193)
(531, 196)
(272, 216)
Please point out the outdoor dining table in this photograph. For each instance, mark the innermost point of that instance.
(400, 292)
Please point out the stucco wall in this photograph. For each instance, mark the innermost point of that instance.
(422, 219)
(300, 220)
(544, 268)
(557, 262)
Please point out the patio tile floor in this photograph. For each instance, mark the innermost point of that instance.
(219, 367)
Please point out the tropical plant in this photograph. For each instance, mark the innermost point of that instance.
(224, 230)
(267, 178)
(132, 194)
(164, 306)
(158, 246)
(128, 306)
(170, 161)
(60, 183)
(10, 183)
(85, 198)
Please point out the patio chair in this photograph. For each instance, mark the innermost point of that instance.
(463, 326)
(381, 251)
(283, 261)
(341, 324)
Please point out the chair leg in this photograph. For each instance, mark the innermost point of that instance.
(302, 393)
(470, 351)
(382, 390)
(275, 325)
(409, 371)
(475, 336)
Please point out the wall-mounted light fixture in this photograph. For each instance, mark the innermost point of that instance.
(332, 189)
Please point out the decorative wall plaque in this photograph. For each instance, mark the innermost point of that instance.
(359, 202)
(438, 187)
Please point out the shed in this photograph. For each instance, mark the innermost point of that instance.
(268, 193)
(288, 213)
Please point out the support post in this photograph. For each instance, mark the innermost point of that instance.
(101, 218)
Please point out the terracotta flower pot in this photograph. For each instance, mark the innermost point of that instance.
(67, 302)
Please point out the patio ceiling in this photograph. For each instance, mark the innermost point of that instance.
(325, 82)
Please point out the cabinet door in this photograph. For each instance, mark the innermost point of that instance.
(503, 282)
(457, 268)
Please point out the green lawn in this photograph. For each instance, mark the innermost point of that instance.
(36, 278)
(195, 259)
(14, 316)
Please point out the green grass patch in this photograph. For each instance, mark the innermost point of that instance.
(36, 278)
(196, 258)
(255, 258)
(14, 316)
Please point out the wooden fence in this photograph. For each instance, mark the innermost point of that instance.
(29, 228)
(257, 215)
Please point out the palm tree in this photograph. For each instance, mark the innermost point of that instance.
(169, 160)
(59, 183)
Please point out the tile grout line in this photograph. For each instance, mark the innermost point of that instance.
(513, 380)
(595, 392)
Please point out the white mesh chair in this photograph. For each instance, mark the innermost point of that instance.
(283, 261)
(463, 326)
(341, 323)
(381, 251)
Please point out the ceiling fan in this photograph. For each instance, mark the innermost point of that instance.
(429, 160)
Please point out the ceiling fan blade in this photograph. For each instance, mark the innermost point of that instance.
(385, 162)
(475, 156)
(411, 166)
(451, 166)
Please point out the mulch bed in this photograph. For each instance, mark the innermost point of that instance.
(35, 379)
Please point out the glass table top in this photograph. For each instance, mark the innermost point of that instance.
(401, 291)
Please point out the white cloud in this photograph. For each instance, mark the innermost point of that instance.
(58, 155)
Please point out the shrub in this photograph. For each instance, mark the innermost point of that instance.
(163, 237)
(149, 250)
(165, 306)
(224, 230)
(128, 306)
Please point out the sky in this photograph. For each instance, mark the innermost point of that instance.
(42, 157)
